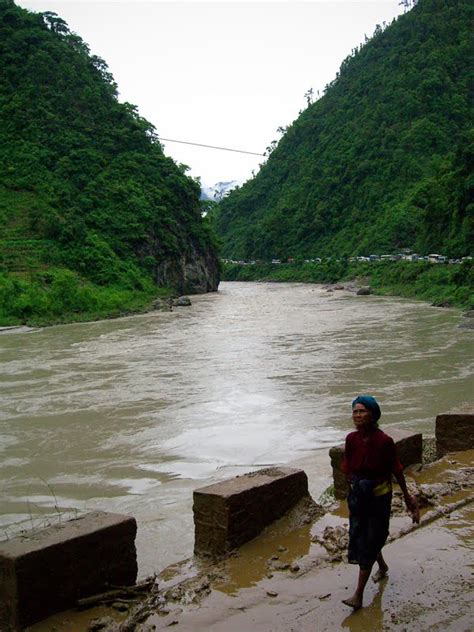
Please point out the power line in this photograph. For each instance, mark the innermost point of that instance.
(184, 142)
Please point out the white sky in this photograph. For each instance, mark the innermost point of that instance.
(220, 73)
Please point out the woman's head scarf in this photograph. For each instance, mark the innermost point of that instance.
(371, 404)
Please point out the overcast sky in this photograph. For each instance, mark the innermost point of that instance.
(220, 73)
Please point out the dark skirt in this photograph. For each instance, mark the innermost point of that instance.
(369, 518)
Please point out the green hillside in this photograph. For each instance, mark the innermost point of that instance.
(90, 207)
(382, 161)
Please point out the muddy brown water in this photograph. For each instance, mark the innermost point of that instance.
(131, 415)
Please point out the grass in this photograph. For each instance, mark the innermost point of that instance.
(59, 296)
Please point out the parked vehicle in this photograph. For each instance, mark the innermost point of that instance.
(433, 258)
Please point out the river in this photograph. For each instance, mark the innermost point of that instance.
(131, 415)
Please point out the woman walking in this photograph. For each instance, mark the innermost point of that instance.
(370, 459)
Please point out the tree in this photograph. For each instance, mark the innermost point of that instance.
(55, 23)
(369, 166)
(308, 95)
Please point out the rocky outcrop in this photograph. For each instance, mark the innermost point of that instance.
(191, 273)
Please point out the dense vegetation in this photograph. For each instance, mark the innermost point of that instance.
(382, 161)
(441, 285)
(93, 216)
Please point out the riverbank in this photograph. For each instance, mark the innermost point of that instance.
(423, 591)
(60, 296)
(441, 285)
(293, 576)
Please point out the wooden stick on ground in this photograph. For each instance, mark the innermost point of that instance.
(132, 592)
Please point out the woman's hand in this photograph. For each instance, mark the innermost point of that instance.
(412, 508)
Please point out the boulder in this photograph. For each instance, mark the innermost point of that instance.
(364, 291)
(162, 304)
(182, 301)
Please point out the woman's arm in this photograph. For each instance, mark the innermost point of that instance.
(410, 501)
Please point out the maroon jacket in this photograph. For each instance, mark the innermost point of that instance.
(375, 458)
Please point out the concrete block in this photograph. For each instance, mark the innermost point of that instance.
(454, 432)
(409, 449)
(47, 571)
(234, 511)
(336, 454)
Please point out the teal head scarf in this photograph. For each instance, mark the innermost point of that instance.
(371, 404)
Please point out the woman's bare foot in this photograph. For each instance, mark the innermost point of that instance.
(354, 602)
(380, 574)
(382, 570)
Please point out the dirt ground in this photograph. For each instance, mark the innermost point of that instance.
(429, 587)
(293, 577)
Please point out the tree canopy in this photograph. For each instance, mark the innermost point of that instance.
(84, 183)
(380, 162)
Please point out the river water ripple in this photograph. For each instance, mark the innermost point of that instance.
(131, 415)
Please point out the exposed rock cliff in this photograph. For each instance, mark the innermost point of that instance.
(194, 273)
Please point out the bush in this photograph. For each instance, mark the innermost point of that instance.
(60, 295)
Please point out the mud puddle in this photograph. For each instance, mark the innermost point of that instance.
(293, 576)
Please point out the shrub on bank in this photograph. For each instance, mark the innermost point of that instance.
(60, 295)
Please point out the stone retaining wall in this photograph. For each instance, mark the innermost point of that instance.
(409, 450)
(234, 511)
(47, 571)
(454, 432)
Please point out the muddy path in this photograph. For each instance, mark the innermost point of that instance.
(293, 577)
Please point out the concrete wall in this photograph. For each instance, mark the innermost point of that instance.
(454, 432)
(409, 449)
(47, 571)
(234, 511)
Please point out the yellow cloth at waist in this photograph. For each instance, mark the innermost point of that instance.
(385, 487)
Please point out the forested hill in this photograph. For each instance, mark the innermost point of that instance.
(84, 184)
(381, 161)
